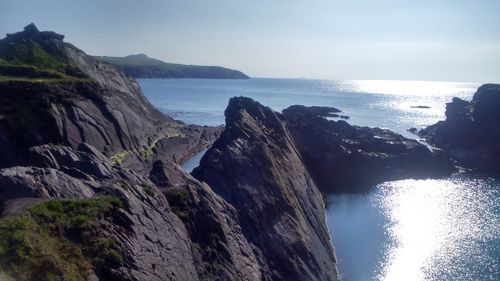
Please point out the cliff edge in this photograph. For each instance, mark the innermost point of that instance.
(52, 92)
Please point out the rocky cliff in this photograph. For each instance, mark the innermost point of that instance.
(100, 105)
(256, 167)
(91, 189)
(345, 158)
(471, 131)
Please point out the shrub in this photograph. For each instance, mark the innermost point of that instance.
(57, 240)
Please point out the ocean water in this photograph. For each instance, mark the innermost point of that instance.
(435, 229)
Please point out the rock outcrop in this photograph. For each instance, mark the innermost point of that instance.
(345, 158)
(101, 105)
(271, 167)
(471, 131)
(256, 167)
(151, 240)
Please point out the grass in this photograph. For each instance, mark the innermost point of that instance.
(4, 78)
(58, 240)
(10, 72)
(148, 189)
(36, 56)
(118, 158)
(145, 152)
(180, 202)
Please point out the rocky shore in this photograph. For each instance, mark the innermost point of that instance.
(471, 131)
(91, 187)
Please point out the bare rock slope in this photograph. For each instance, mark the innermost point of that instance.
(256, 167)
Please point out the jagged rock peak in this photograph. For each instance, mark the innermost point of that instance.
(255, 167)
(31, 28)
(31, 31)
(240, 108)
(486, 103)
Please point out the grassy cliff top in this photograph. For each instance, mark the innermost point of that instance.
(58, 240)
(36, 55)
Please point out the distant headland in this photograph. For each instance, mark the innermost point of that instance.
(142, 66)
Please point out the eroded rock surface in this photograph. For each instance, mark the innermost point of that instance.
(256, 167)
(101, 105)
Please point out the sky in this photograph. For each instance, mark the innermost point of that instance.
(438, 40)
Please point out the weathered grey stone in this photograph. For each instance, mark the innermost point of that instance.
(256, 167)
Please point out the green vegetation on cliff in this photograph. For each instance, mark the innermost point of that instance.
(142, 66)
(32, 54)
(58, 240)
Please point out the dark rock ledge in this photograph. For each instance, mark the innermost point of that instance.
(345, 158)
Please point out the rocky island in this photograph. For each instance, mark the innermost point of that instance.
(91, 187)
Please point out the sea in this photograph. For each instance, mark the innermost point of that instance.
(432, 229)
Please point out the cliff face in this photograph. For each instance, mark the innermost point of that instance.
(101, 106)
(85, 138)
(470, 133)
(256, 167)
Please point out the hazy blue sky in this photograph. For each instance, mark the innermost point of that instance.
(450, 40)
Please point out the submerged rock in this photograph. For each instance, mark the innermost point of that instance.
(471, 131)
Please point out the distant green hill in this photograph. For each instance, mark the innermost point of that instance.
(142, 66)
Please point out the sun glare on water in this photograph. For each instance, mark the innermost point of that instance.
(435, 226)
(419, 88)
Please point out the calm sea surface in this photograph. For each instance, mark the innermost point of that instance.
(447, 229)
